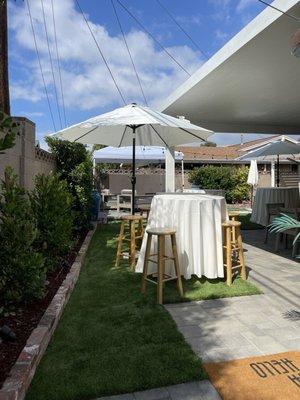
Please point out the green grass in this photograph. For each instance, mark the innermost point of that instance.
(111, 339)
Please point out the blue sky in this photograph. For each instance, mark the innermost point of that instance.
(87, 87)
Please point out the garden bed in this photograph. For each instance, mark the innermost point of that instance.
(27, 317)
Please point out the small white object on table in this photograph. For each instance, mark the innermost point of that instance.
(289, 196)
(197, 220)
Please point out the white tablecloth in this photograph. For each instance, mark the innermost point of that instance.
(197, 220)
(289, 196)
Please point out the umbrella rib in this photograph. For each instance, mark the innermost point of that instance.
(123, 136)
(158, 135)
(165, 119)
(91, 130)
(193, 134)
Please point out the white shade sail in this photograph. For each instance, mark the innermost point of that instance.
(152, 129)
(253, 174)
(143, 154)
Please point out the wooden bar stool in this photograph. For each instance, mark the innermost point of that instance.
(145, 208)
(232, 229)
(161, 234)
(134, 224)
(233, 216)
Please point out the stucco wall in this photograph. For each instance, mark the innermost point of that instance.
(25, 158)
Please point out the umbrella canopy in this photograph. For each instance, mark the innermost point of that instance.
(136, 125)
(152, 128)
(143, 154)
(276, 148)
(253, 173)
(273, 149)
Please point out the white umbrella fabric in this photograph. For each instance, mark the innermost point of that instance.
(134, 125)
(278, 147)
(252, 177)
(253, 174)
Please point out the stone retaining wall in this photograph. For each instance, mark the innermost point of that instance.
(18, 381)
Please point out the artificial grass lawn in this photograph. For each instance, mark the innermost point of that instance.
(112, 339)
(247, 224)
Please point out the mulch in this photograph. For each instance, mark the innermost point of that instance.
(28, 315)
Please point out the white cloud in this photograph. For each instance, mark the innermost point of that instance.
(87, 83)
(243, 4)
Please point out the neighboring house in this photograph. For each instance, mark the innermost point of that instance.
(230, 155)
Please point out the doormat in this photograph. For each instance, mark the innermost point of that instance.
(271, 377)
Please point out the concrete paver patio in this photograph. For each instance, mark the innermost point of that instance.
(239, 327)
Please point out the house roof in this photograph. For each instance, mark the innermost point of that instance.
(225, 153)
(252, 84)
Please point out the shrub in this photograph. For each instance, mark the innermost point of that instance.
(22, 270)
(75, 166)
(8, 132)
(231, 179)
(51, 203)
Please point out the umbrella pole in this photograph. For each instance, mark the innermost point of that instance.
(133, 178)
(277, 170)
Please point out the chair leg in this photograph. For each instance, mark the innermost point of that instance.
(146, 262)
(132, 244)
(228, 257)
(120, 242)
(277, 240)
(241, 255)
(176, 265)
(160, 267)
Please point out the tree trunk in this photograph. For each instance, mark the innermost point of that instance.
(4, 88)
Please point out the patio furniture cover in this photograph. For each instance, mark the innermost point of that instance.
(289, 196)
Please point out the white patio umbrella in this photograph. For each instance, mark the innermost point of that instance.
(275, 148)
(134, 125)
(253, 173)
(252, 177)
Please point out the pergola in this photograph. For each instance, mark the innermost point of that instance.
(251, 85)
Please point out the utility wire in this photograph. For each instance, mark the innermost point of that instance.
(101, 53)
(51, 63)
(40, 65)
(278, 9)
(181, 28)
(150, 34)
(129, 52)
(58, 65)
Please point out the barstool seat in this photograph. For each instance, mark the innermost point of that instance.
(161, 231)
(134, 233)
(233, 245)
(162, 277)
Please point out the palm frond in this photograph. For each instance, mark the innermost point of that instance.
(283, 223)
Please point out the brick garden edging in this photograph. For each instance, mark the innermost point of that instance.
(21, 374)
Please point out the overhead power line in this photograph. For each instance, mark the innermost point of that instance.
(129, 52)
(40, 65)
(278, 9)
(181, 28)
(100, 52)
(153, 37)
(51, 63)
(58, 64)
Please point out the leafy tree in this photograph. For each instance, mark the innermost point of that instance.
(22, 270)
(75, 167)
(51, 203)
(231, 179)
(209, 144)
(8, 132)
